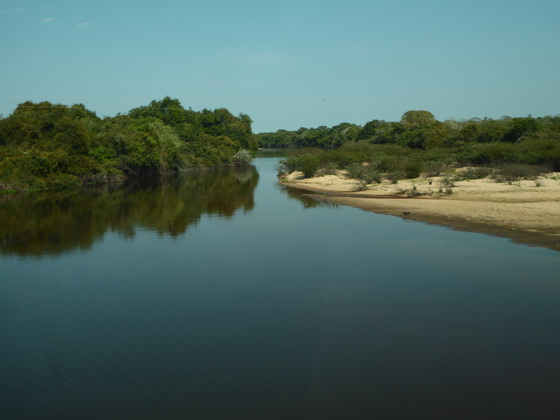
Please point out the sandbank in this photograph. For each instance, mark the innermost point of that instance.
(526, 211)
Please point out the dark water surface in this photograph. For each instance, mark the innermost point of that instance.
(219, 295)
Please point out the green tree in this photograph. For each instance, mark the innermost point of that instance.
(370, 129)
(72, 135)
(414, 120)
(519, 128)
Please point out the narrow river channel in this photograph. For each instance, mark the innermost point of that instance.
(221, 295)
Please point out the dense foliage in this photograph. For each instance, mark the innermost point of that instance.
(323, 137)
(373, 162)
(419, 142)
(420, 130)
(45, 145)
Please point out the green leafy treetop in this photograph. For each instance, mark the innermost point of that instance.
(414, 120)
(45, 145)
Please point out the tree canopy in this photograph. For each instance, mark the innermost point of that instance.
(420, 130)
(45, 145)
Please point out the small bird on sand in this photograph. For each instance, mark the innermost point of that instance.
(406, 213)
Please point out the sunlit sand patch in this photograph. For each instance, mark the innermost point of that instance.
(525, 210)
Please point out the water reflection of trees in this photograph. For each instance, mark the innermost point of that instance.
(50, 224)
(308, 200)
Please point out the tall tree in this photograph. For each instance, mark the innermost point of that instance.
(414, 120)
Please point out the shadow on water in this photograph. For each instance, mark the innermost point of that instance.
(546, 238)
(54, 223)
(308, 201)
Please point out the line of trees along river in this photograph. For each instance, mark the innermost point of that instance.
(46, 146)
(418, 143)
(419, 129)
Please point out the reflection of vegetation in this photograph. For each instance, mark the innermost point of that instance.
(51, 224)
(272, 153)
(308, 201)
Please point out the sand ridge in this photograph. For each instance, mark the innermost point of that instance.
(526, 210)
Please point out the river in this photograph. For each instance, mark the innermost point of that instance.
(221, 295)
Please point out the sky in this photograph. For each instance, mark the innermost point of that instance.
(287, 64)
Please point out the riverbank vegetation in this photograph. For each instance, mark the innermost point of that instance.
(52, 146)
(508, 148)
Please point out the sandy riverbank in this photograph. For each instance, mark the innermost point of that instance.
(526, 211)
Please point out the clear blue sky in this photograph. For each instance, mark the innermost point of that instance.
(287, 64)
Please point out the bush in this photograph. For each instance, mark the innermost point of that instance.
(433, 168)
(307, 163)
(389, 164)
(242, 158)
(541, 151)
(366, 173)
(493, 153)
(516, 171)
(396, 176)
(328, 168)
(354, 170)
(413, 168)
(474, 173)
(342, 158)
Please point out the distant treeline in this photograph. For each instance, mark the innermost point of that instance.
(45, 145)
(418, 143)
(418, 129)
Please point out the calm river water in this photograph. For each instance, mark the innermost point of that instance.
(220, 295)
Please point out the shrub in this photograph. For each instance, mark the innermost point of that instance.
(493, 153)
(354, 170)
(446, 182)
(242, 158)
(413, 168)
(516, 171)
(433, 168)
(341, 158)
(328, 168)
(389, 164)
(396, 150)
(394, 177)
(307, 163)
(366, 173)
(474, 173)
